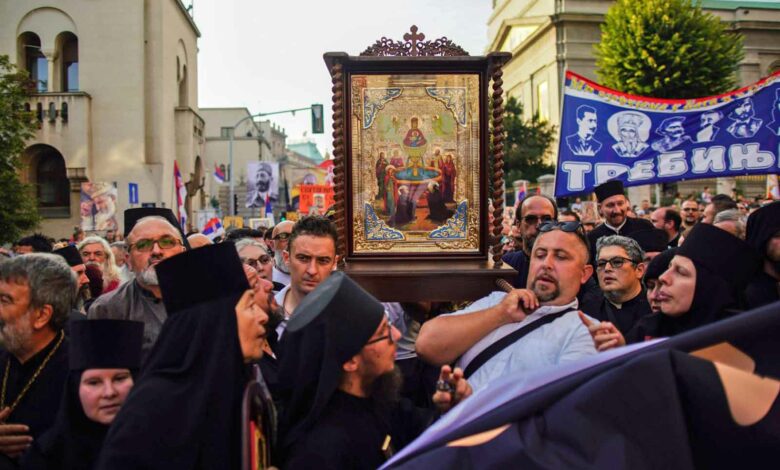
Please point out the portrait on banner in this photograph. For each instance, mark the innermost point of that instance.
(98, 207)
(262, 184)
(415, 163)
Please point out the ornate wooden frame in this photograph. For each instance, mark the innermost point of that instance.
(414, 55)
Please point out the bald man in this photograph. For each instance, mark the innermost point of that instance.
(198, 240)
(150, 241)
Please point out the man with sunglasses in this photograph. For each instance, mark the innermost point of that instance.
(614, 207)
(526, 329)
(533, 211)
(619, 269)
(150, 239)
(280, 237)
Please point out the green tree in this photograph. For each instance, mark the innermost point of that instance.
(18, 208)
(527, 144)
(666, 49)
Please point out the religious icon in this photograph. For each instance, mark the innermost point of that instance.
(416, 163)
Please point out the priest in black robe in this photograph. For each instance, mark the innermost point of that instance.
(763, 234)
(338, 384)
(614, 207)
(36, 294)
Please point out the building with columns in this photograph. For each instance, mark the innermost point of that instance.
(116, 101)
(549, 37)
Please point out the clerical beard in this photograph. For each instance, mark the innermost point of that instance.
(387, 387)
(279, 262)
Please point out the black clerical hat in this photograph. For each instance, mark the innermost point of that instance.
(351, 314)
(198, 276)
(105, 344)
(608, 189)
(659, 264)
(132, 216)
(721, 253)
(650, 240)
(762, 225)
(71, 255)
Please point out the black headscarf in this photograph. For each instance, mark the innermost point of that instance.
(724, 265)
(659, 264)
(134, 215)
(330, 325)
(762, 225)
(185, 410)
(74, 441)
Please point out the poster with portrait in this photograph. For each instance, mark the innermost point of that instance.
(262, 184)
(415, 163)
(98, 207)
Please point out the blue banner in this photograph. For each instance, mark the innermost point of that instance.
(609, 135)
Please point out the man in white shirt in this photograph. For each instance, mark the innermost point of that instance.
(559, 265)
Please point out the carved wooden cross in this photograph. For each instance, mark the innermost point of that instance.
(414, 38)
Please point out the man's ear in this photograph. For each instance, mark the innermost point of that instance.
(352, 364)
(640, 269)
(587, 272)
(42, 316)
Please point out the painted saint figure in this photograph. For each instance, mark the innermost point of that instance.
(381, 164)
(404, 211)
(437, 211)
(415, 144)
(389, 194)
(449, 172)
(397, 160)
(630, 144)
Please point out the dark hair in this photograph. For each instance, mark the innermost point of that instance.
(571, 213)
(585, 109)
(721, 202)
(238, 233)
(313, 225)
(519, 213)
(40, 243)
(671, 215)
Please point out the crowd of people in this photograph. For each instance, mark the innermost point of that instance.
(135, 350)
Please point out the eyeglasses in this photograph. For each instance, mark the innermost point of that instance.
(281, 236)
(257, 262)
(532, 219)
(388, 336)
(165, 242)
(617, 262)
(568, 227)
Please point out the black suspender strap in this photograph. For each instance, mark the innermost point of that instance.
(509, 339)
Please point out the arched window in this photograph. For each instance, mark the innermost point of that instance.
(34, 61)
(70, 62)
(52, 112)
(52, 185)
(183, 98)
(39, 111)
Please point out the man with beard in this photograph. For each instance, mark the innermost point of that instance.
(745, 124)
(534, 211)
(119, 249)
(150, 240)
(690, 214)
(73, 258)
(262, 192)
(669, 221)
(97, 252)
(339, 386)
(763, 233)
(311, 256)
(36, 294)
(614, 206)
(279, 240)
(525, 329)
(673, 134)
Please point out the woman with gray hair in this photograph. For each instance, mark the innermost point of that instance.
(255, 255)
(96, 252)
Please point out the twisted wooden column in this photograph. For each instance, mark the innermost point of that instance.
(498, 162)
(339, 182)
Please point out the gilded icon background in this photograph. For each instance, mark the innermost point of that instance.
(415, 163)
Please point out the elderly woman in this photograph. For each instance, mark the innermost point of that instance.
(255, 255)
(104, 357)
(702, 285)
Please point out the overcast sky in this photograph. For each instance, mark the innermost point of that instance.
(266, 55)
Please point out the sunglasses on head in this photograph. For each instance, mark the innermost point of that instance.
(282, 236)
(569, 227)
(532, 219)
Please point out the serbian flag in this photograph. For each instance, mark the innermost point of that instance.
(268, 206)
(522, 191)
(219, 175)
(181, 195)
(213, 229)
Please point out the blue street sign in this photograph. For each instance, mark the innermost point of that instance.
(133, 187)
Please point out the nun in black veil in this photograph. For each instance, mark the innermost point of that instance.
(185, 410)
(104, 356)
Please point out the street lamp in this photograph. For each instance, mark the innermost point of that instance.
(316, 124)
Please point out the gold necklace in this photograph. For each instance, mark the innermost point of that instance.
(32, 379)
